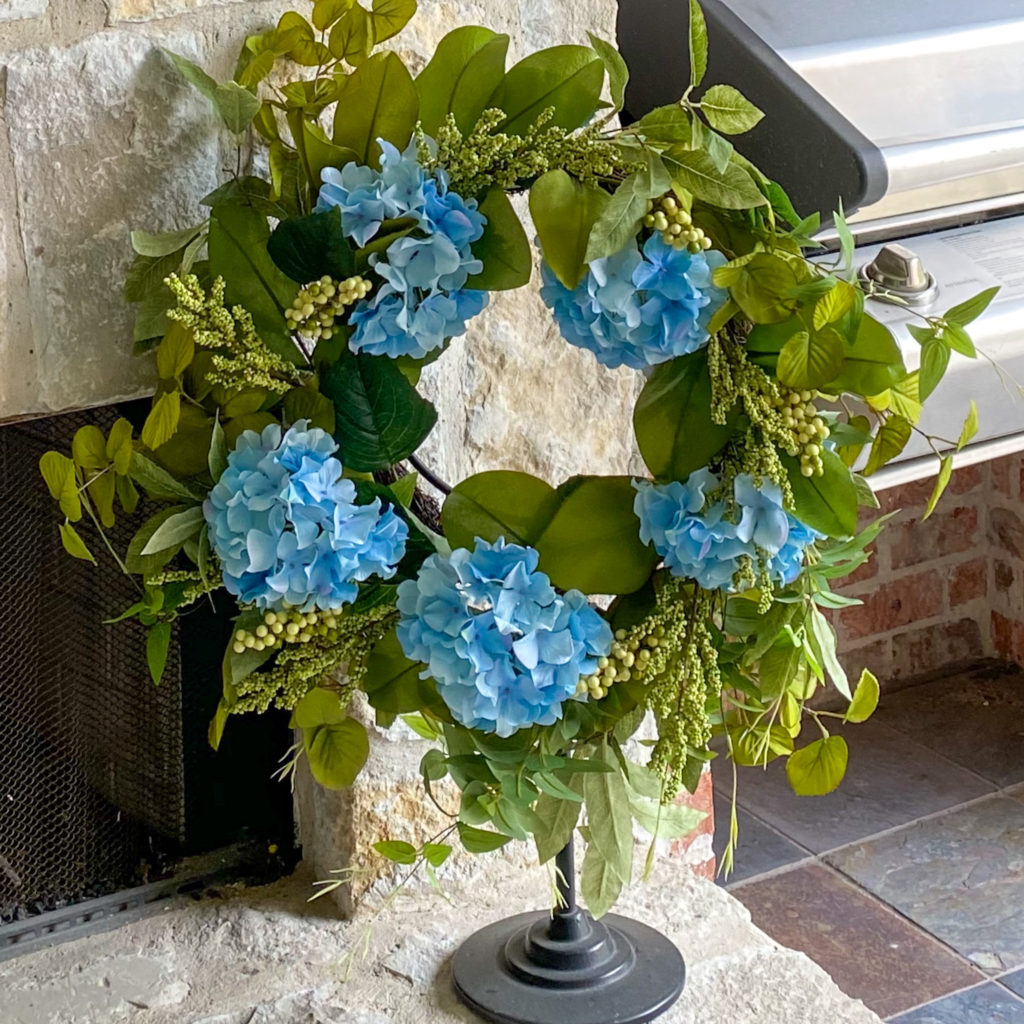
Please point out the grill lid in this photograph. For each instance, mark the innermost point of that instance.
(900, 107)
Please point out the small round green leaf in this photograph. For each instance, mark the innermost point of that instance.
(865, 698)
(819, 767)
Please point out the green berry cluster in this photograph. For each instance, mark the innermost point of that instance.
(808, 431)
(667, 215)
(241, 360)
(486, 157)
(317, 306)
(309, 647)
(630, 658)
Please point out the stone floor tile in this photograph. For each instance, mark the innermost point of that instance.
(975, 718)
(1014, 982)
(891, 781)
(960, 876)
(760, 847)
(870, 952)
(985, 1004)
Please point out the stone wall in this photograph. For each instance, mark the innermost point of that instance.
(946, 591)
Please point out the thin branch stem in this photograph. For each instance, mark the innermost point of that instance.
(429, 475)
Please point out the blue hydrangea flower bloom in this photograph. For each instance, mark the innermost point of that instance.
(638, 309)
(505, 650)
(286, 528)
(699, 540)
(423, 299)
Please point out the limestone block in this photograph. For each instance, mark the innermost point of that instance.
(147, 10)
(16, 10)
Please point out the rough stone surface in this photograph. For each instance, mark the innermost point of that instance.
(146, 10)
(16, 10)
(269, 957)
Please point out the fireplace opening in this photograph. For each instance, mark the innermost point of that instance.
(106, 781)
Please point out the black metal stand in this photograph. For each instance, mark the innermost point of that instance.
(566, 968)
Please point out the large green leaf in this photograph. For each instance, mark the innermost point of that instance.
(380, 417)
(873, 361)
(810, 360)
(498, 503)
(695, 170)
(336, 752)
(307, 248)
(819, 767)
(504, 247)
(378, 101)
(238, 253)
(393, 684)
(564, 211)
(568, 78)
(467, 66)
(559, 818)
(827, 503)
(592, 542)
(620, 217)
(608, 815)
(672, 419)
(600, 885)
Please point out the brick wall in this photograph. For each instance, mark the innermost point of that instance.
(948, 590)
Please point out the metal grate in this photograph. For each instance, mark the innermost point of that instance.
(92, 787)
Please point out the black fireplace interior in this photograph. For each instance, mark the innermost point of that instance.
(106, 781)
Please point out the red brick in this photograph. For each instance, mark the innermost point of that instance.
(1008, 637)
(966, 479)
(968, 581)
(936, 648)
(868, 571)
(1006, 531)
(913, 495)
(951, 532)
(876, 657)
(999, 470)
(1004, 576)
(893, 605)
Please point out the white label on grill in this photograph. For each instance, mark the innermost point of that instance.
(997, 250)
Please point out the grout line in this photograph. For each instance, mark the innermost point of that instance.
(939, 999)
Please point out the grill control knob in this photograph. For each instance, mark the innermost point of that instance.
(899, 270)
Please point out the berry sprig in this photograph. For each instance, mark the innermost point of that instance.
(316, 308)
(667, 215)
(290, 626)
(808, 431)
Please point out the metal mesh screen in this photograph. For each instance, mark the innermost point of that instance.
(91, 773)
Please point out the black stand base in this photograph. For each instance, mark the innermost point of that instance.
(567, 968)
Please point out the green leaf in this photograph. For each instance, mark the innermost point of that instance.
(158, 640)
(89, 448)
(318, 707)
(564, 213)
(236, 105)
(618, 72)
(163, 243)
(834, 304)
(698, 44)
(217, 458)
(810, 360)
(970, 427)
(351, 39)
(174, 353)
(600, 884)
(134, 561)
(498, 503)
(865, 698)
(307, 403)
(891, 439)
(695, 170)
(59, 473)
(873, 362)
(672, 419)
(668, 124)
(941, 482)
(73, 543)
(559, 819)
(162, 421)
(568, 78)
(827, 503)
(336, 752)
(238, 249)
(504, 247)
(819, 767)
(393, 684)
(620, 218)
(728, 110)
(478, 840)
(934, 360)
(215, 732)
(174, 531)
(761, 286)
(608, 815)
(194, 75)
(467, 67)
(236, 667)
(378, 101)
(308, 248)
(394, 850)
(823, 642)
(959, 340)
(435, 854)
(156, 481)
(422, 727)
(101, 491)
(327, 12)
(592, 542)
(127, 494)
(966, 312)
(665, 821)
(389, 17)
(380, 417)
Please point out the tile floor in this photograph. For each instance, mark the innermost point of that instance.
(907, 883)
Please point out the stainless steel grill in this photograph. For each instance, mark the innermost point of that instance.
(912, 113)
